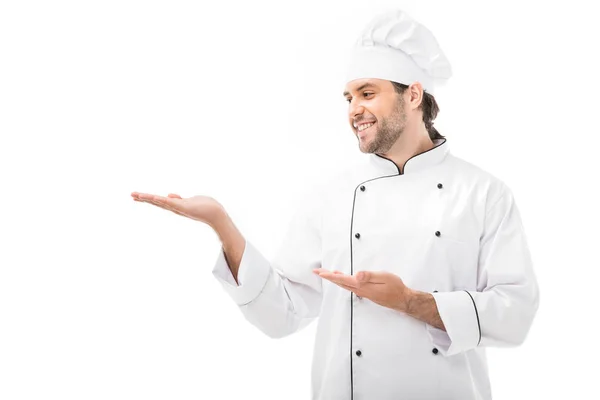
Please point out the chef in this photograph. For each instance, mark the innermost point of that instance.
(413, 260)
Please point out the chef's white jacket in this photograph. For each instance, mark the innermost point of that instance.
(444, 226)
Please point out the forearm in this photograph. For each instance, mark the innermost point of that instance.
(422, 306)
(232, 241)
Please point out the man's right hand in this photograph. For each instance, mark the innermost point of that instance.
(200, 208)
(211, 212)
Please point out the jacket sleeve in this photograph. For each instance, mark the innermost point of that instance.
(500, 312)
(283, 295)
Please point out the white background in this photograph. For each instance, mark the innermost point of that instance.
(102, 297)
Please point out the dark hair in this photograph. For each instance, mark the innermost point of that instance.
(428, 106)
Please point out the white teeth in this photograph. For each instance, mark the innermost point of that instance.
(365, 126)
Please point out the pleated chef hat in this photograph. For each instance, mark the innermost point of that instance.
(395, 47)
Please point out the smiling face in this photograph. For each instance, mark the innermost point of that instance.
(376, 114)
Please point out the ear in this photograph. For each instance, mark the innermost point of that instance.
(415, 91)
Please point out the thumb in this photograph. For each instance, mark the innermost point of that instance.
(363, 276)
(174, 195)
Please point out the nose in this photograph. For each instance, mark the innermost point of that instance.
(355, 109)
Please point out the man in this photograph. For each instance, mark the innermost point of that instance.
(415, 260)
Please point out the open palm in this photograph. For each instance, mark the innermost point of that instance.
(200, 208)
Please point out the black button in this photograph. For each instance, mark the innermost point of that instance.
(437, 233)
(434, 351)
(357, 235)
(440, 186)
(362, 188)
(435, 291)
(358, 353)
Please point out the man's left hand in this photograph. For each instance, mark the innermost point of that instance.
(383, 288)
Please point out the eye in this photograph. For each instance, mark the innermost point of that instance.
(365, 94)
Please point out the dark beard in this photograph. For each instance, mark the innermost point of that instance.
(388, 131)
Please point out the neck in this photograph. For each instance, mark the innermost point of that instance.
(410, 143)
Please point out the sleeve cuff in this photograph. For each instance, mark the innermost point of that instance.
(458, 312)
(255, 268)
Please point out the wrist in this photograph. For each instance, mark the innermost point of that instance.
(406, 300)
(412, 300)
(220, 220)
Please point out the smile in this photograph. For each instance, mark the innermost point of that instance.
(363, 129)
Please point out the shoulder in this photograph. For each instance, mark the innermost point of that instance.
(488, 186)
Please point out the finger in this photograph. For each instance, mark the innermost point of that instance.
(350, 289)
(349, 281)
(363, 276)
(142, 200)
(340, 279)
(162, 199)
(170, 208)
(148, 198)
(371, 277)
(170, 203)
(154, 203)
(319, 270)
(156, 200)
(143, 196)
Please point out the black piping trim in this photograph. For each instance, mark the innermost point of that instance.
(352, 263)
(418, 154)
(352, 273)
(395, 165)
(477, 314)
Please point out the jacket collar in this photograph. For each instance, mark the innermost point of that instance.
(384, 166)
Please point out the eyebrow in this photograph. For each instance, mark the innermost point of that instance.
(368, 84)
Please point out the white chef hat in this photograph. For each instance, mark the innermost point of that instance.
(395, 47)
